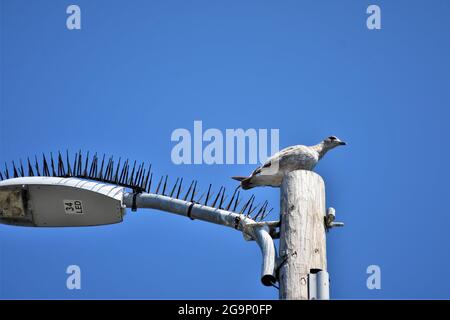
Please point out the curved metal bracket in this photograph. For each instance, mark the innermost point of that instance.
(252, 230)
(265, 243)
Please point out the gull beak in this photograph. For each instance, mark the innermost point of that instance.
(342, 143)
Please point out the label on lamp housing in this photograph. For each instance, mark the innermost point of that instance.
(73, 207)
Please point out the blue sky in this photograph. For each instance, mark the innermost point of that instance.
(137, 70)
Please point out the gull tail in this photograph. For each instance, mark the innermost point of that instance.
(245, 182)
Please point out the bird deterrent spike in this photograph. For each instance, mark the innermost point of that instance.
(165, 185)
(260, 210)
(21, 171)
(18, 170)
(30, 168)
(222, 199)
(200, 198)
(130, 182)
(145, 183)
(189, 191)
(58, 166)
(125, 172)
(36, 166)
(106, 163)
(86, 164)
(108, 169)
(52, 164)
(179, 189)
(150, 182)
(174, 187)
(250, 206)
(80, 159)
(122, 173)
(6, 171)
(96, 169)
(207, 195)
(159, 185)
(136, 175)
(69, 169)
(144, 177)
(246, 205)
(92, 169)
(238, 201)
(15, 175)
(137, 178)
(232, 198)
(108, 173)
(80, 164)
(217, 197)
(142, 180)
(250, 212)
(45, 169)
(265, 213)
(264, 216)
(75, 164)
(116, 174)
(61, 165)
(211, 196)
(15, 170)
(193, 191)
(95, 165)
(111, 171)
(141, 175)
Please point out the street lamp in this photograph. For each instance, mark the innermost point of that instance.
(91, 192)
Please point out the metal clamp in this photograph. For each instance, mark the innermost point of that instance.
(134, 204)
(189, 211)
(329, 219)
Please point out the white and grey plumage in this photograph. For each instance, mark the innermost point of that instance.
(292, 158)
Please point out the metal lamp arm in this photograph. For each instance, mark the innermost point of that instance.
(252, 230)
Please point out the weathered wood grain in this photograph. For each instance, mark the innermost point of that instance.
(302, 234)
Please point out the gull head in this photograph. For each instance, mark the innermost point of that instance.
(333, 142)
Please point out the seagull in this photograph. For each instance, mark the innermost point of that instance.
(298, 157)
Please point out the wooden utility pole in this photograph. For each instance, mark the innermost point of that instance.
(303, 262)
